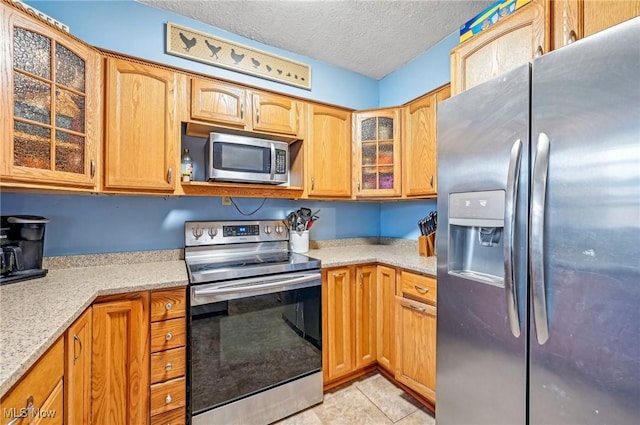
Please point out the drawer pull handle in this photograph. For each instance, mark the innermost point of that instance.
(421, 289)
(169, 336)
(76, 338)
(168, 399)
(168, 367)
(24, 413)
(168, 306)
(418, 309)
(338, 274)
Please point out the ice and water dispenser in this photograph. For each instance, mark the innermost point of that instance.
(476, 224)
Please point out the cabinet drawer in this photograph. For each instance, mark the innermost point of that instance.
(168, 396)
(172, 417)
(167, 365)
(169, 304)
(38, 385)
(418, 287)
(168, 334)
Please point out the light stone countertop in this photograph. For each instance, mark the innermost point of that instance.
(400, 256)
(35, 313)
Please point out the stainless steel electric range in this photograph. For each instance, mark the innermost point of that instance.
(255, 340)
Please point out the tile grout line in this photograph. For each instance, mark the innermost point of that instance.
(377, 407)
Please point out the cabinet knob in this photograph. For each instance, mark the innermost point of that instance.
(169, 336)
(168, 399)
(572, 37)
(431, 181)
(257, 116)
(169, 175)
(93, 168)
(168, 366)
(168, 306)
(539, 51)
(313, 183)
(241, 110)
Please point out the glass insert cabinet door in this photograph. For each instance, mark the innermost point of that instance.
(50, 93)
(377, 146)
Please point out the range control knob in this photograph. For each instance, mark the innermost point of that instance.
(267, 230)
(212, 232)
(197, 232)
(279, 228)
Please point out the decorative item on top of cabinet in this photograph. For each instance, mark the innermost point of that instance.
(39, 390)
(385, 311)
(168, 356)
(78, 353)
(232, 106)
(513, 41)
(377, 156)
(120, 360)
(51, 84)
(416, 334)
(142, 132)
(420, 144)
(575, 19)
(328, 152)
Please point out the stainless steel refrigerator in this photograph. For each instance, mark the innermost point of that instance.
(539, 241)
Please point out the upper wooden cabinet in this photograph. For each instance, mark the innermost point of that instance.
(576, 19)
(377, 155)
(142, 133)
(50, 98)
(420, 144)
(511, 42)
(233, 106)
(328, 152)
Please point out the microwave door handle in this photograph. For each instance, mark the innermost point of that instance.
(273, 160)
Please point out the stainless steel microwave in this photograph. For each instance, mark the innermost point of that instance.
(244, 159)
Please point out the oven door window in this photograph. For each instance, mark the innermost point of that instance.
(244, 158)
(243, 346)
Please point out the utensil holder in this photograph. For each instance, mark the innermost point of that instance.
(299, 242)
(427, 245)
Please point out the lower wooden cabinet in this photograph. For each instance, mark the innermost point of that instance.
(365, 316)
(120, 375)
(40, 390)
(416, 335)
(337, 323)
(78, 349)
(168, 356)
(385, 311)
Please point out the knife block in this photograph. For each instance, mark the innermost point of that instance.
(427, 245)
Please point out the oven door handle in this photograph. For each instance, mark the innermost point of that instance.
(236, 289)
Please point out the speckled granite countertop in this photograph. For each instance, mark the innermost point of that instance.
(394, 255)
(34, 313)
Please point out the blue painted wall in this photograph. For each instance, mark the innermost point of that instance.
(423, 74)
(102, 223)
(96, 224)
(400, 219)
(139, 30)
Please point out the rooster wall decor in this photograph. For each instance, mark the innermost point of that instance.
(206, 48)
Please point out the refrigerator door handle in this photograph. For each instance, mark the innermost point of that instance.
(536, 240)
(511, 197)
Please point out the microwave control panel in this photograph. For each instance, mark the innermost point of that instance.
(281, 161)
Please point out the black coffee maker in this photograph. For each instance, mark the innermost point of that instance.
(22, 243)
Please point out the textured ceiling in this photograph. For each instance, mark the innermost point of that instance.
(372, 38)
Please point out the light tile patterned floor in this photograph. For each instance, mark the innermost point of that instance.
(373, 400)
